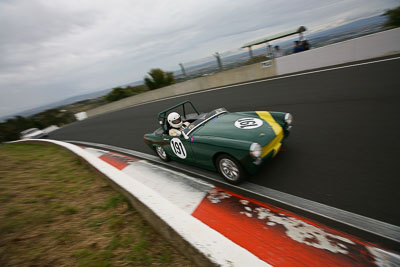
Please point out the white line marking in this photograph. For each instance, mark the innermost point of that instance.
(263, 80)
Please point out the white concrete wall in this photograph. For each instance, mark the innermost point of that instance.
(81, 116)
(50, 129)
(238, 75)
(366, 47)
(370, 46)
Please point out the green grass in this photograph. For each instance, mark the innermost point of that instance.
(95, 222)
(54, 210)
(88, 257)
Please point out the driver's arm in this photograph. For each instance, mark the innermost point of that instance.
(184, 125)
(174, 132)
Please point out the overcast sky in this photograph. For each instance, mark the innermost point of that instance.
(54, 49)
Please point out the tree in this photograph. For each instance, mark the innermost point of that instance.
(52, 117)
(117, 94)
(393, 17)
(11, 128)
(158, 78)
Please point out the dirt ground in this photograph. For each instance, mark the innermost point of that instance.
(56, 211)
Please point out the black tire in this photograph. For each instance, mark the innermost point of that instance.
(230, 169)
(161, 153)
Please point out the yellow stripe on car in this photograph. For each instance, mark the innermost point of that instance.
(276, 143)
(266, 116)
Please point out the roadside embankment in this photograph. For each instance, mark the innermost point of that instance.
(56, 211)
(201, 244)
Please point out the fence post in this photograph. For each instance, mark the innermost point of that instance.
(218, 60)
(250, 52)
(183, 70)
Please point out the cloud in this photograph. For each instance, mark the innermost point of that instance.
(51, 50)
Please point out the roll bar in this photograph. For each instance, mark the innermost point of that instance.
(162, 116)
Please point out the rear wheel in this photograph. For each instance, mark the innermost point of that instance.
(230, 169)
(162, 154)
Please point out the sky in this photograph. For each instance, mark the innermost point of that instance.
(52, 50)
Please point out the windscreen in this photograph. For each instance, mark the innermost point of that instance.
(204, 117)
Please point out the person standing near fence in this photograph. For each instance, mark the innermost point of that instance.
(297, 47)
(277, 52)
(305, 45)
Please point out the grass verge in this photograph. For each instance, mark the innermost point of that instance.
(56, 211)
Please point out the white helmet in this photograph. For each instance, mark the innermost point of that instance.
(174, 119)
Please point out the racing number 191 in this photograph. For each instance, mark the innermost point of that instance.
(248, 123)
(178, 148)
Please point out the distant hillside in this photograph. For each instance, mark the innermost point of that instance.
(362, 23)
(67, 101)
(132, 84)
(64, 102)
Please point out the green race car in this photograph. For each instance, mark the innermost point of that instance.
(234, 144)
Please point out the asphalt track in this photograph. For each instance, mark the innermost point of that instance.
(344, 148)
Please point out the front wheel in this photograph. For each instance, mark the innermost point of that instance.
(162, 154)
(230, 169)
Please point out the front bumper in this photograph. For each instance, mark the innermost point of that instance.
(252, 164)
(273, 147)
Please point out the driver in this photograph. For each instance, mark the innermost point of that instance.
(175, 121)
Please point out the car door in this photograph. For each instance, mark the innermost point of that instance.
(178, 148)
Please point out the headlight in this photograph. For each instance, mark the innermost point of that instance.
(255, 150)
(288, 118)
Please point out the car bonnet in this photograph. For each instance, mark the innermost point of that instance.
(249, 126)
